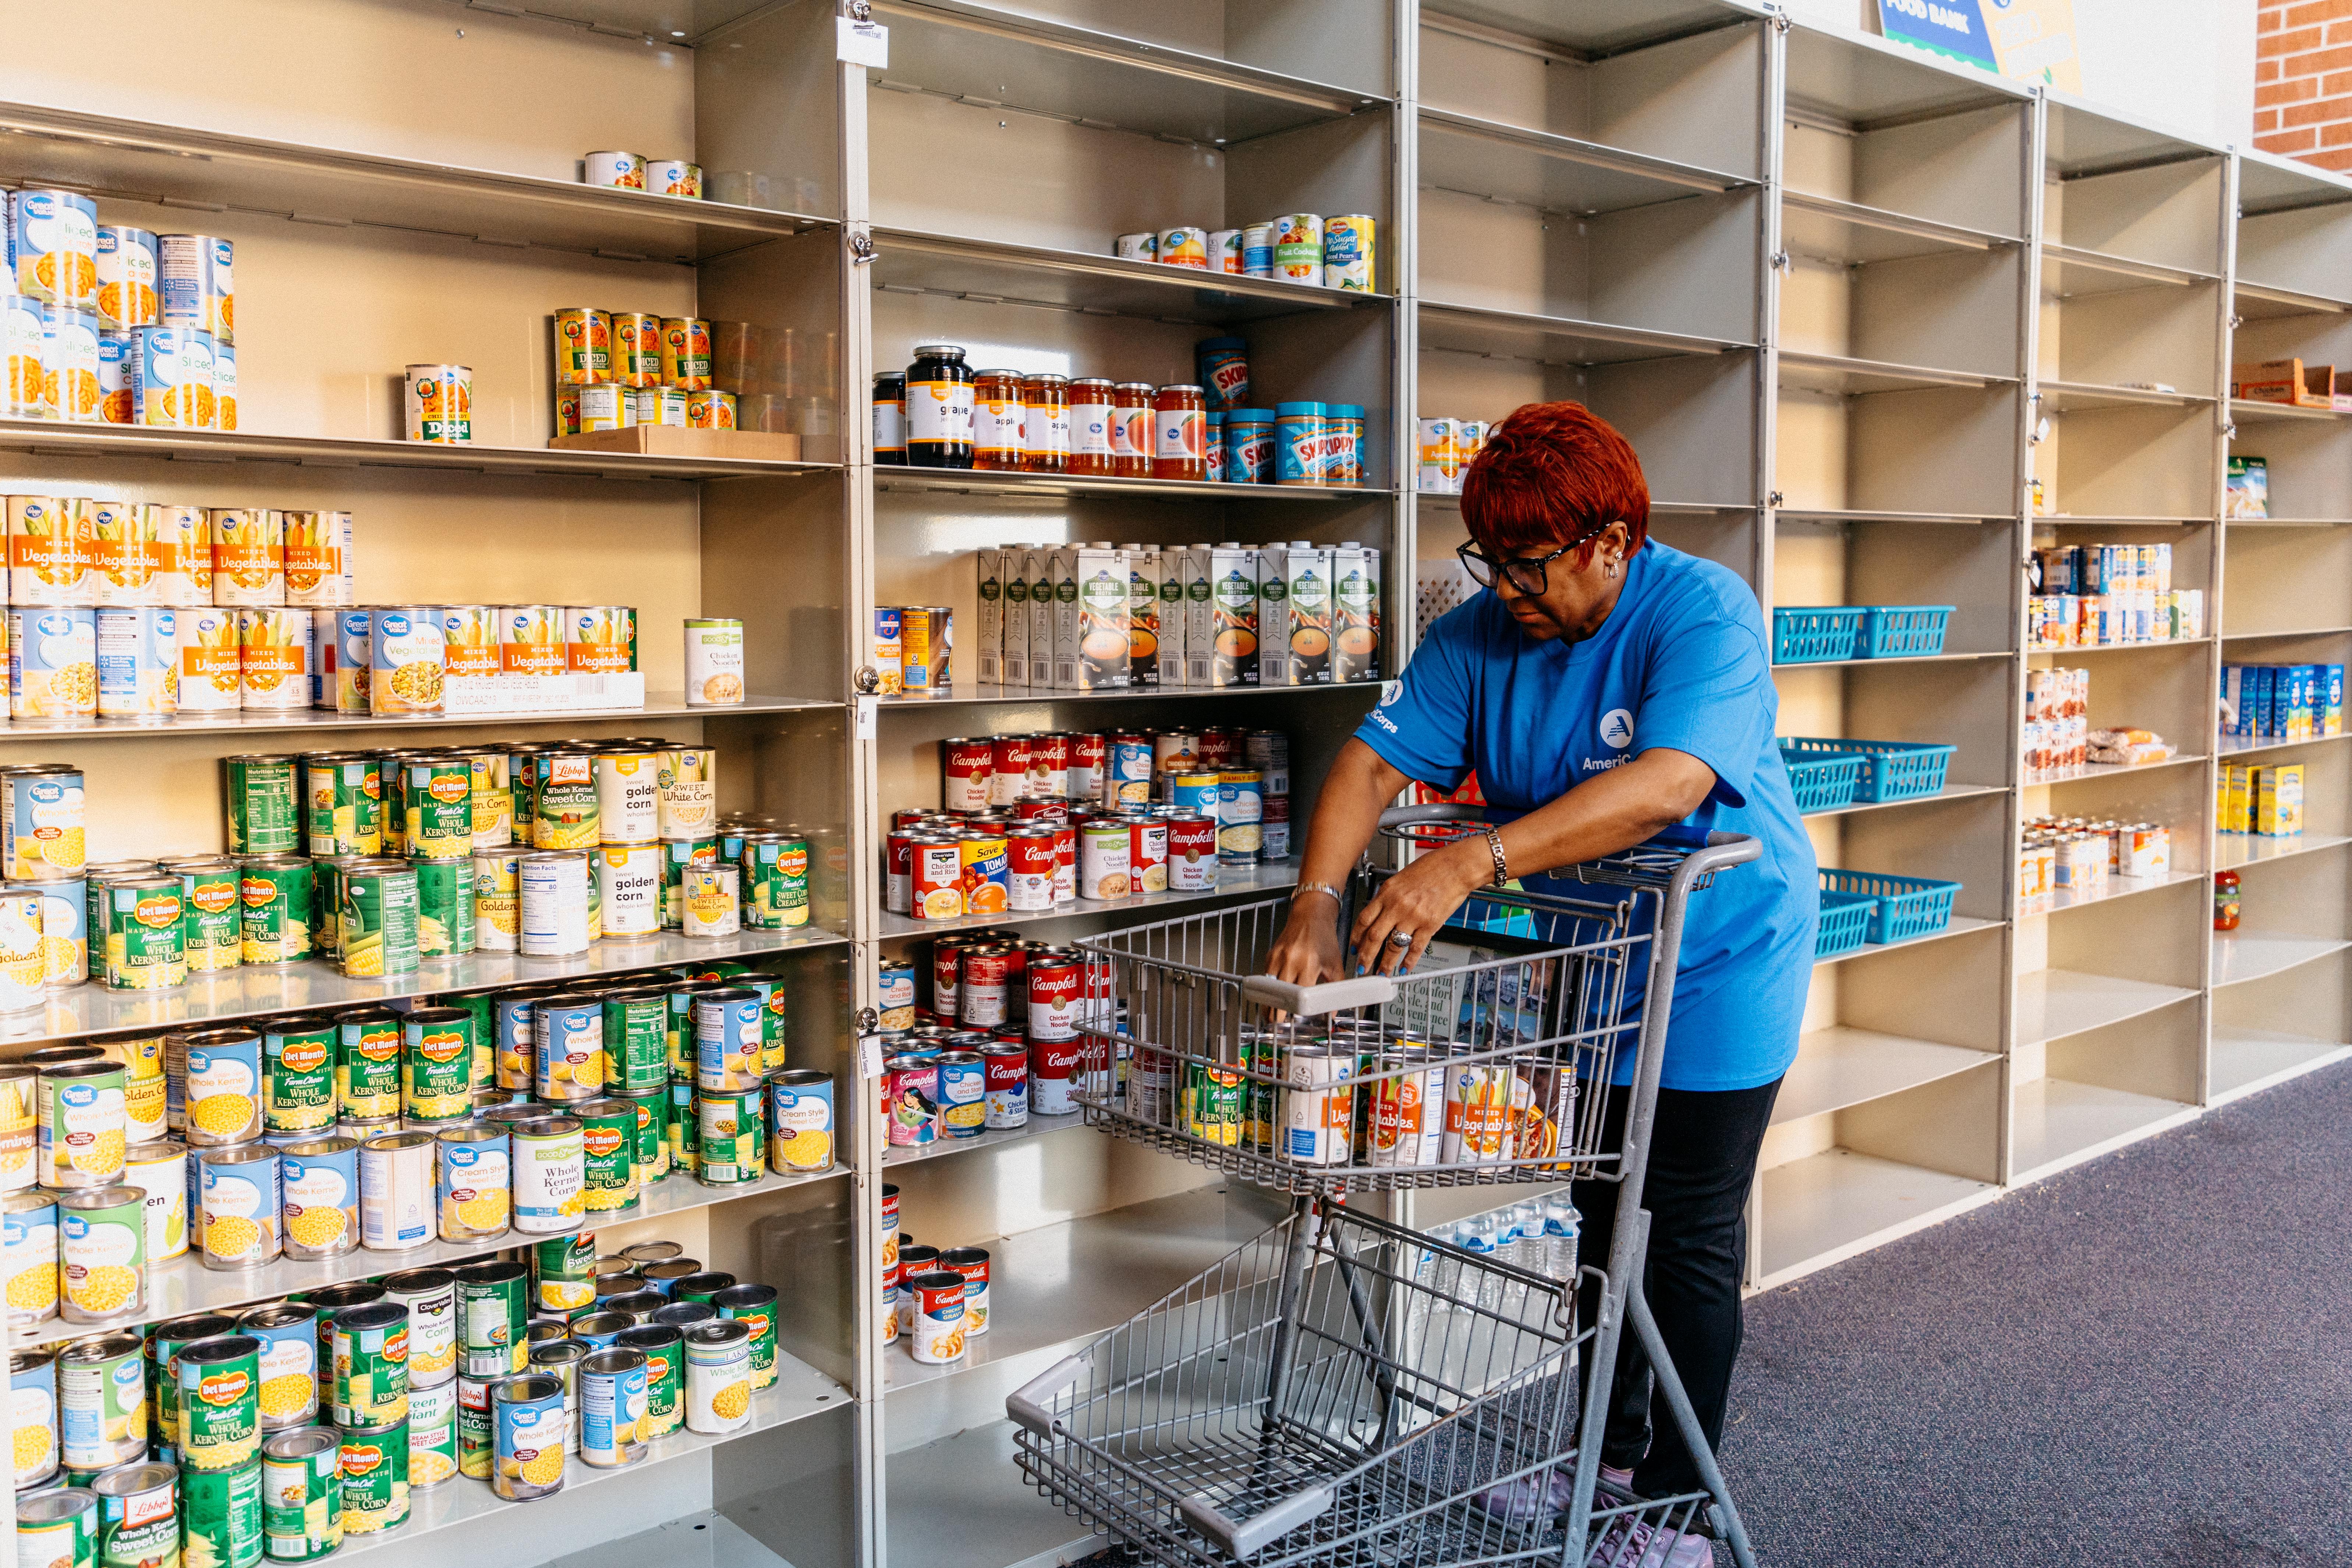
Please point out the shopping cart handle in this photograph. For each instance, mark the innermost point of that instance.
(1313, 1001)
(1026, 1405)
(1249, 1537)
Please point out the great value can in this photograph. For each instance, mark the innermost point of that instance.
(28, 1256)
(239, 1225)
(288, 1387)
(33, 1421)
(530, 1430)
(83, 1130)
(567, 1047)
(800, 1113)
(103, 1401)
(374, 1466)
(476, 1173)
(222, 1096)
(302, 1494)
(613, 1403)
(548, 1156)
(321, 1196)
(962, 1094)
(397, 1196)
(729, 1049)
(219, 1394)
(492, 1317)
(41, 819)
(102, 1244)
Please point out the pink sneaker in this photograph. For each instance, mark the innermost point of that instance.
(1530, 1497)
(1644, 1546)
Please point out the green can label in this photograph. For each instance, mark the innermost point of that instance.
(666, 1387)
(484, 1007)
(375, 1479)
(491, 1321)
(438, 1064)
(302, 1503)
(445, 907)
(477, 1436)
(211, 925)
(299, 1064)
(346, 807)
(220, 1517)
(437, 809)
(146, 945)
(220, 1411)
(637, 1041)
(432, 1434)
(371, 1370)
(683, 1133)
(608, 1141)
(652, 1136)
(565, 1271)
(265, 816)
(378, 921)
(140, 1528)
(276, 894)
(733, 1145)
(367, 1068)
(775, 896)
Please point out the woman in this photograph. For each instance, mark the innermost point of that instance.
(1603, 688)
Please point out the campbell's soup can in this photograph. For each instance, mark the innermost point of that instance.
(1066, 863)
(984, 986)
(1085, 763)
(1049, 766)
(1029, 862)
(1056, 983)
(967, 766)
(1005, 1066)
(1054, 1074)
(1192, 866)
(1009, 778)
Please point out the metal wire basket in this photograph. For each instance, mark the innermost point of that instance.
(1464, 1072)
(1340, 1391)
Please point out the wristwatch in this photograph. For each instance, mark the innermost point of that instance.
(1495, 848)
(1316, 888)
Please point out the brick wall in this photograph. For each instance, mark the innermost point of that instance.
(2303, 81)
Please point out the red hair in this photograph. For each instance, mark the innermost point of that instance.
(1549, 473)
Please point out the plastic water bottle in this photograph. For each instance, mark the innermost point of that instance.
(1561, 1226)
(1530, 1252)
(1481, 1235)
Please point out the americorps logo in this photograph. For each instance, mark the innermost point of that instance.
(1617, 728)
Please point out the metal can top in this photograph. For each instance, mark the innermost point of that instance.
(390, 1141)
(528, 1389)
(725, 1331)
(278, 1315)
(613, 1359)
(417, 1281)
(220, 1347)
(375, 1315)
(497, 1273)
(128, 1480)
(302, 1442)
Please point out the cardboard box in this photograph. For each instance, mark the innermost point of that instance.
(1091, 589)
(676, 441)
(2288, 381)
(2249, 488)
(2278, 800)
(1174, 618)
(1294, 615)
(1016, 635)
(990, 619)
(1043, 595)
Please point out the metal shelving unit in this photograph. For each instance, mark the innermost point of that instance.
(1830, 290)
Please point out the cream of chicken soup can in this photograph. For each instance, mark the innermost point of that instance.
(714, 663)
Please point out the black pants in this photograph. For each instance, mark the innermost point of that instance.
(1702, 1150)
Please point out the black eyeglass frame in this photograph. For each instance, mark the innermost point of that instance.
(1484, 569)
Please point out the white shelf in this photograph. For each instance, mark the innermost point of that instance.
(1845, 375)
(2110, 769)
(312, 721)
(2232, 851)
(906, 477)
(2245, 1060)
(801, 1390)
(2069, 650)
(959, 1502)
(977, 694)
(1231, 882)
(2076, 397)
(2114, 887)
(1839, 1067)
(1831, 1206)
(2243, 745)
(184, 1285)
(995, 1138)
(1899, 658)
(246, 993)
(1054, 1289)
(1958, 925)
(2243, 956)
(2054, 1003)
(2061, 1122)
(1949, 793)
(2255, 410)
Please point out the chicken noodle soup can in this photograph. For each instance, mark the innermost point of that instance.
(939, 1337)
(302, 1494)
(102, 1244)
(714, 663)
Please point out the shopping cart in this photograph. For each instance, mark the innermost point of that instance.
(1344, 1391)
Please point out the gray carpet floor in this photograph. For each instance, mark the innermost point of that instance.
(2144, 1361)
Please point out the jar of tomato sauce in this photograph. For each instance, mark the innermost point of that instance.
(1130, 435)
(1093, 408)
(1179, 434)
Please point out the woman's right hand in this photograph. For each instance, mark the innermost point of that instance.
(1308, 951)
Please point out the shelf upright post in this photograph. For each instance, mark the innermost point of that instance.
(861, 1111)
(2225, 431)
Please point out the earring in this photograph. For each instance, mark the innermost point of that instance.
(1608, 569)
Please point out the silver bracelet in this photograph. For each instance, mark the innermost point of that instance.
(1316, 888)
(1502, 867)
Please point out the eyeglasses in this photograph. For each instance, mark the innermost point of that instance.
(1527, 573)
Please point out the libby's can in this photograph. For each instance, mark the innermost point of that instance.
(138, 1516)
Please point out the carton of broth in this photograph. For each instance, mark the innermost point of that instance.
(1044, 593)
(1091, 589)
(1221, 604)
(1356, 612)
(991, 559)
(1294, 615)
(1173, 560)
(1142, 613)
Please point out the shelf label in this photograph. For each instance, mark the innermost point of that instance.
(863, 44)
(866, 708)
(870, 1055)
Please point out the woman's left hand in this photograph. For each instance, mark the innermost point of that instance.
(1414, 902)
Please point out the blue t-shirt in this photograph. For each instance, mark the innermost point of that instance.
(1681, 662)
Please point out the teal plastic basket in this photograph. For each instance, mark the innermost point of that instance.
(1845, 922)
(1908, 907)
(1816, 635)
(1893, 770)
(1901, 631)
(1823, 780)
